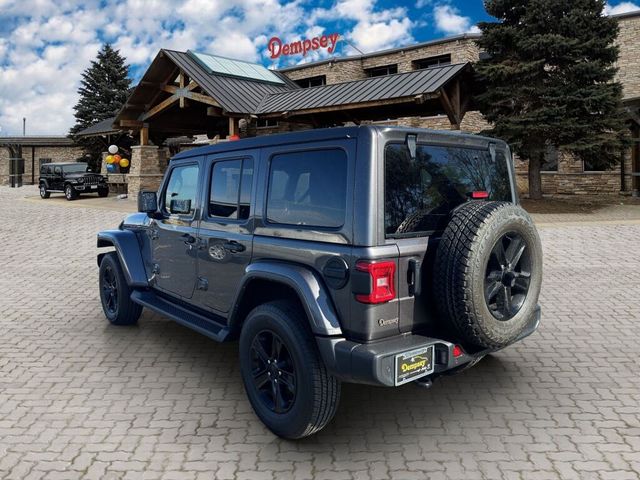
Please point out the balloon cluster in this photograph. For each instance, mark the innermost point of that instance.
(114, 160)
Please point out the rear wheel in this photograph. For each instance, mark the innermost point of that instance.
(44, 193)
(489, 272)
(115, 294)
(70, 193)
(288, 385)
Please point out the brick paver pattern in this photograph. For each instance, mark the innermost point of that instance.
(82, 399)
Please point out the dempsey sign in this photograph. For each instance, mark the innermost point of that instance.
(277, 47)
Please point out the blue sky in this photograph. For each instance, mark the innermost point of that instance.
(46, 44)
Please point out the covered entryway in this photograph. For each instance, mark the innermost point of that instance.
(191, 93)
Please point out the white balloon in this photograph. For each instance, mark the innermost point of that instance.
(113, 149)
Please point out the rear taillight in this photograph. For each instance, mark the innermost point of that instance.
(479, 195)
(383, 276)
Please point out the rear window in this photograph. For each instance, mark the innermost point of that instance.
(308, 188)
(420, 193)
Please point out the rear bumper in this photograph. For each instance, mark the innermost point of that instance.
(375, 363)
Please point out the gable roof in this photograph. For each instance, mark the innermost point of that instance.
(235, 95)
(388, 87)
(103, 127)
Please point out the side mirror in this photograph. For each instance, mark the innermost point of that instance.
(180, 206)
(148, 202)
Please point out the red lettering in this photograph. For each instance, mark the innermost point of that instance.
(277, 48)
(275, 43)
(334, 39)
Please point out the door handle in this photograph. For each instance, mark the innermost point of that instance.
(413, 277)
(234, 247)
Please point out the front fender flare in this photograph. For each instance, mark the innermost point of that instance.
(307, 284)
(128, 250)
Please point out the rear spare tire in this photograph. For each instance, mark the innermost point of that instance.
(488, 272)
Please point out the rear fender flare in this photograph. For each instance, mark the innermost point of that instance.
(128, 250)
(310, 289)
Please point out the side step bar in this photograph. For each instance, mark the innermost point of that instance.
(195, 321)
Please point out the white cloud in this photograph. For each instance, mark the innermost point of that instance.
(449, 20)
(46, 44)
(374, 29)
(623, 7)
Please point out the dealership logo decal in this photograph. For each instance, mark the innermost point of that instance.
(277, 48)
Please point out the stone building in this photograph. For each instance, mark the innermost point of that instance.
(35, 150)
(427, 85)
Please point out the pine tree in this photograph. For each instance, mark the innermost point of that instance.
(104, 88)
(549, 80)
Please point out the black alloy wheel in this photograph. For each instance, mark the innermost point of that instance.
(508, 276)
(273, 370)
(110, 290)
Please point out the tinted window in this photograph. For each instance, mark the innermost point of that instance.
(57, 170)
(230, 195)
(308, 188)
(181, 189)
(77, 168)
(420, 193)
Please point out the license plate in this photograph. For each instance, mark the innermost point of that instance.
(414, 364)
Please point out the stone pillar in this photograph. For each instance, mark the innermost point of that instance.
(103, 163)
(148, 164)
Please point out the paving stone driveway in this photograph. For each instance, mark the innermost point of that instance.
(82, 399)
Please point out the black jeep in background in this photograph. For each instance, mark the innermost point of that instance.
(72, 179)
(373, 255)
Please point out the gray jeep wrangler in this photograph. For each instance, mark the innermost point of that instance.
(372, 255)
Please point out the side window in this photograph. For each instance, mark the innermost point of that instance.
(180, 195)
(308, 188)
(230, 194)
(57, 170)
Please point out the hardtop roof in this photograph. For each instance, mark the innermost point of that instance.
(320, 134)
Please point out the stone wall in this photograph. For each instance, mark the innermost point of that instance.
(55, 154)
(461, 50)
(629, 59)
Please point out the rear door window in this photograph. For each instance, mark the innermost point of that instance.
(420, 193)
(230, 195)
(308, 188)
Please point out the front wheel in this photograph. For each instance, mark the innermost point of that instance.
(44, 193)
(115, 294)
(286, 381)
(70, 193)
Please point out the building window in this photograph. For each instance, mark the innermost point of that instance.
(312, 81)
(266, 123)
(382, 71)
(432, 61)
(550, 162)
(593, 166)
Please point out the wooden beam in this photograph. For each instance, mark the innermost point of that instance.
(234, 126)
(144, 135)
(192, 85)
(131, 123)
(187, 93)
(166, 103)
(449, 109)
(214, 112)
